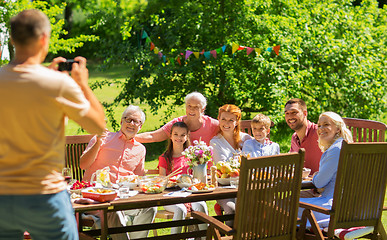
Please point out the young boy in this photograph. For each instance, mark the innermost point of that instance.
(261, 144)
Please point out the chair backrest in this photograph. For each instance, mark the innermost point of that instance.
(75, 145)
(268, 196)
(360, 186)
(246, 127)
(366, 130)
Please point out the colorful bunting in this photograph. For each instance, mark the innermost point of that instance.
(234, 47)
(249, 50)
(187, 54)
(213, 52)
(144, 34)
(276, 49)
(207, 54)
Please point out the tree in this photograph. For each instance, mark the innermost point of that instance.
(54, 13)
(332, 55)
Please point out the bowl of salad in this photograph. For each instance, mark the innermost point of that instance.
(153, 184)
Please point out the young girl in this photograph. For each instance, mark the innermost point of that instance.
(173, 159)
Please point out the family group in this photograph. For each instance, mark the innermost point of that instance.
(38, 100)
(123, 152)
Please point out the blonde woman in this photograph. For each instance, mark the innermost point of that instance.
(331, 131)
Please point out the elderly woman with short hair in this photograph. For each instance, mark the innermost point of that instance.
(200, 126)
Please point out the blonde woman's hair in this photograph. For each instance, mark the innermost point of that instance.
(345, 133)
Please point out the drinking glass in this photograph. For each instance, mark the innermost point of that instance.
(234, 182)
(124, 192)
(66, 172)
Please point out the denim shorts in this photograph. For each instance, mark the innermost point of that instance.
(44, 216)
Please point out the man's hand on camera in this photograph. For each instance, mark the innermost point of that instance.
(80, 73)
(55, 62)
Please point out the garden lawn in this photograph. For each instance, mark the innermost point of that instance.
(153, 122)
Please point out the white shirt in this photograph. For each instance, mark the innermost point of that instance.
(222, 149)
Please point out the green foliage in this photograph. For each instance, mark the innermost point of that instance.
(332, 55)
(54, 13)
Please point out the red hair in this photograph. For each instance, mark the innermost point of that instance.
(238, 113)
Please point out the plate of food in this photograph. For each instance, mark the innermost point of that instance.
(99, 194)
(172, 182)
(130, 181)
(184, 181)
(201, 188)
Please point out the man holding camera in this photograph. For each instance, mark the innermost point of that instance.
(35, 103)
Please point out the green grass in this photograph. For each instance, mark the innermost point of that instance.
(154, 121)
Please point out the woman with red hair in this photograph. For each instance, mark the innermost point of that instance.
(230, 139)
(228, 142)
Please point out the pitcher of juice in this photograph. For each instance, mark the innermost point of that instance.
(102, 177)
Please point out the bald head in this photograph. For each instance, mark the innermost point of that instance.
(28, 26)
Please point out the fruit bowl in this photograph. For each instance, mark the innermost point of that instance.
(99, 194)
(223, 181)
(153, 184)
(130, 181)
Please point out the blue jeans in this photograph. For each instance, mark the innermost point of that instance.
(44, 216)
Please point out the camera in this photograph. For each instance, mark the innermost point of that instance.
(66, 66)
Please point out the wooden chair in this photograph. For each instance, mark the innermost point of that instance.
(359, 191)
(366, 130)
(267, 200)
(75, 145)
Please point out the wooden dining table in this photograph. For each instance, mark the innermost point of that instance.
(143, 200)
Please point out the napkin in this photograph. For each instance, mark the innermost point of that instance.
(177, 194)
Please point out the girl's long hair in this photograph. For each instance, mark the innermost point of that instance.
(238, 113)
(168, 154)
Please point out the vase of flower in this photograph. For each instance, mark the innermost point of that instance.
(198, 155)
(200, 172)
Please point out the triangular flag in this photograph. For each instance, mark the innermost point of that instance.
(219, 50)
(196, 54)
(241, 47)
(152, 46)
(144, 34)
(164, 58)
(234, 47)
(258, 51)
(213, 52)
(202, 52)
(224, 48)
(187, 54)
(160, 55)
(207, 54)
(178, 60)
(249, 50)
(156, 50)
(269, 49)
(148, 40)
(276, 49)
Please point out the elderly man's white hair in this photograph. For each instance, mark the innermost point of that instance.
(132, 108)
(198, 96)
